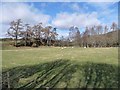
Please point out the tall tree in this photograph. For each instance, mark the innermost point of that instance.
(77, 37)
(15, 28)
(54, 35)
(37, 31)
(93, 30)
(28, 34)
(40, 30)
(114, 26)
(47, 34)
(85, 37)
(105, 29)
(105, 40)
(62, 39)
(93, 33)
(71, 33)
(99, 29)
(74, 35)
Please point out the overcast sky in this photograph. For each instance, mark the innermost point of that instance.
(61, 15)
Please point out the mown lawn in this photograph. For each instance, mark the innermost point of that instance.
(68, 67)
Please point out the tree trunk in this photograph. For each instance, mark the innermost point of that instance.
(16, 40)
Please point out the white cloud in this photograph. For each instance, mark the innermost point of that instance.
(63, 20)
(12, 11)
(28, 13)
(66, 20)
(106, 10)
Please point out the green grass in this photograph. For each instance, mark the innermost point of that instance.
(61, 67)
(63, 74)
(31, 56)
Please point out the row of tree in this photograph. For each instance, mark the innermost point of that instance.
(94, 36)
(26, 35)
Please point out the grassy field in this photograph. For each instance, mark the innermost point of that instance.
(31, 56)
(68, 67)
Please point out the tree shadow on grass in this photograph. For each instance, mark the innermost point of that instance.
(55, 73)
(100, 75)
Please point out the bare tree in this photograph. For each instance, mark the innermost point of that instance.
(93, 36)
(37, 34)
(85, 37)
(74, 35)
(77, 37)
(71, 33)
(53, 36)
(62, 39)
(15, 28)
(28, 34)
(40, 30)
(106, 29)
(105, 35)
(99, 29)
(114, 26)
(47, 34)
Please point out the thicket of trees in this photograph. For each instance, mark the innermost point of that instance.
(99, 36)
(37, 35)
(26, 35)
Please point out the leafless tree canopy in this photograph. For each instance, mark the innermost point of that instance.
(37, 35)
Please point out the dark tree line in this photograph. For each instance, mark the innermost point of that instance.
(37, 35)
